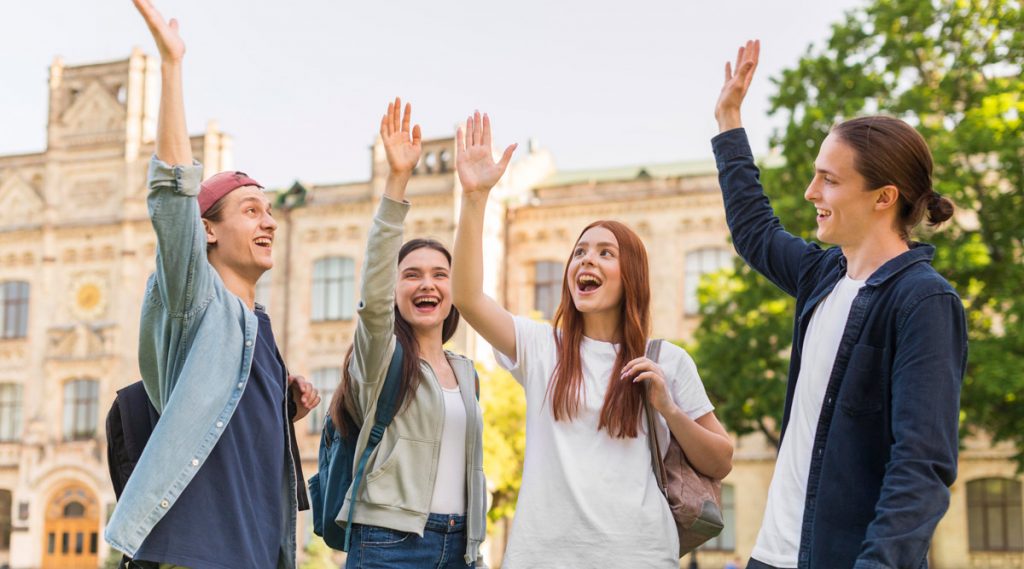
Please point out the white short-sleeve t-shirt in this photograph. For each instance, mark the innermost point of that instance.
(587, 499)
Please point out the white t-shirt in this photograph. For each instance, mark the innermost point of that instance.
(587, 499)
(450, 485)
(778, 542)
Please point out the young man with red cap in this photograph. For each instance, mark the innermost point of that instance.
(219, 482)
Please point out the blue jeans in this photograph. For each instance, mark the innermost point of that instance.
(443, 546)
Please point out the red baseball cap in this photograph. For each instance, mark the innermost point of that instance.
(220, 185)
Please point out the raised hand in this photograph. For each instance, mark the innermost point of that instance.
(402, 151)
(477, 170)
(165, 33)
(727, 111)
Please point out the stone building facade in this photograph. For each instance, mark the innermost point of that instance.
(76, 247)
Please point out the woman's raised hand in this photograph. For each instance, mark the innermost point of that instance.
(477, 170)
(168, 42)
(727, 111)
(403, 148)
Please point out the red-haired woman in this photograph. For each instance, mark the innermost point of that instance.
(589, 497)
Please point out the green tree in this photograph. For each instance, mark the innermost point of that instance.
(952, 68)
(504, 408)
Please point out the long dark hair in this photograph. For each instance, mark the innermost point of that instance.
(620, 413)
(404, 336)
(890, 151)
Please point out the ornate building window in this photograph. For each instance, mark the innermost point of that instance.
(547, 287)
(81, 400)
(324, 380)
(333, 289)
(726, 541)
(995, 521)
(10, 412)
(699, 263)
(13, 309)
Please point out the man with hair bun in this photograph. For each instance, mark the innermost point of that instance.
(869, 434)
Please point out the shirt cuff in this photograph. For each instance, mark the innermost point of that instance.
(731, 144)
(185, 179)
(391, 211)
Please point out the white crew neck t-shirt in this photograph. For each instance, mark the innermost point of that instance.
(587, 499)
(778, 542)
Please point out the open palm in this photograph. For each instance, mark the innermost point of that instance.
(403, 148)
(171, 47)
(475, 163)
(735, 87)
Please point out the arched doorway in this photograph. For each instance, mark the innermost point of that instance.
(71, 539)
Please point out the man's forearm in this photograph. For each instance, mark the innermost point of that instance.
(172, 141)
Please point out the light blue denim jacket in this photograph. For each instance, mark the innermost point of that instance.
(196, 342)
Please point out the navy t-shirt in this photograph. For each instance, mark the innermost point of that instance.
(231, 515)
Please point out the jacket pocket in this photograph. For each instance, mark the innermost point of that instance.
(865, 382)
(400, 481)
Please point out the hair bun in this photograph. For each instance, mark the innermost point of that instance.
(939, 208)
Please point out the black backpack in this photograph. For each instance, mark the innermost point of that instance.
(130, 421)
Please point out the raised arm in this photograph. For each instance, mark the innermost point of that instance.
(172, 143)
(478, 173)
(757, 233)
(375, 327)
(183, 278)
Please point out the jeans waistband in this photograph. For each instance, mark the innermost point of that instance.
(446, 523)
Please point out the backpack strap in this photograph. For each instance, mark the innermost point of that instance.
(387, 400)
(657, 462)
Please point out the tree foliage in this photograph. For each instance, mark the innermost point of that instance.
(951, 68)
(504, 408)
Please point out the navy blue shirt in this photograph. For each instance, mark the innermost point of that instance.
(231, 515)
(885, 451)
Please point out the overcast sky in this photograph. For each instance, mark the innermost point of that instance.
(301, 85)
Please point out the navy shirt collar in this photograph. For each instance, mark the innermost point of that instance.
(918, 253)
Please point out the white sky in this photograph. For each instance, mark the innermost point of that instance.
(301, 85)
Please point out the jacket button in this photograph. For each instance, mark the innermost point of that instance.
(195, 462)
(220, 424)
(248, 343)
(241, 384)
(165, 504)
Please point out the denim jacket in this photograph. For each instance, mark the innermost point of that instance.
(885, 451)
(196, 341)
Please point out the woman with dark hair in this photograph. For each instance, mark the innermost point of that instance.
(869, 434)
(423, 502)
(589, 497)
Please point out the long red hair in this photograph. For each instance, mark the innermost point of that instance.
(620, 413)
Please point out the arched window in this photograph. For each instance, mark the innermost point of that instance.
(13, 309)
(10, 411)
(995, 521)
(333, 289)
(726, 541)
(74, 510)
(698, 264)
(324, 380)
(444, 161)
(547, 287)
(81, 400)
